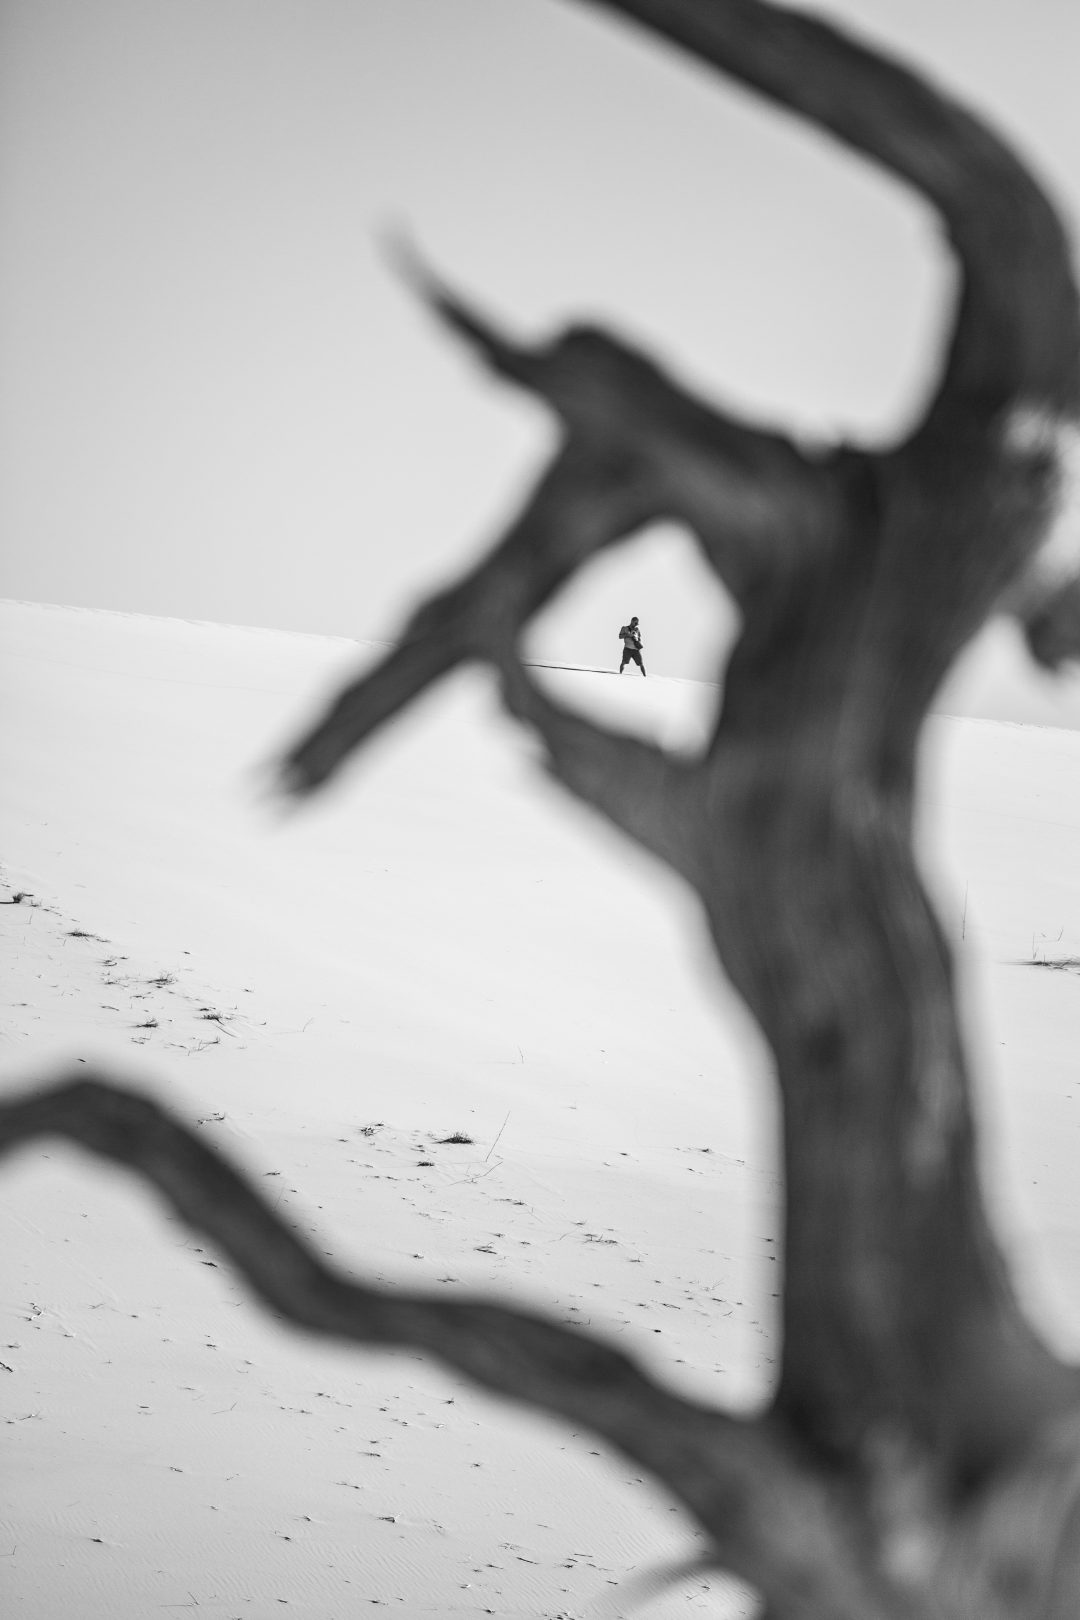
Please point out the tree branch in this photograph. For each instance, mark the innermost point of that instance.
(638, 448)
(638, 788)
(753, 499)
(585, 500)
(1017, 332)
(771, 1522)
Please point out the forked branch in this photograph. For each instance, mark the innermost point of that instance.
(637, 448)
(583, 502)
(1017, 331)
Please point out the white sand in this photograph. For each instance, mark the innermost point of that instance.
(443, 944)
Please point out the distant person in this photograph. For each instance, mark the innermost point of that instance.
(630, 636)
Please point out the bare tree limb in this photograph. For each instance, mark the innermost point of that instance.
(583, 502)
(638, 449)
(751, 496)
(1017, 334)
(770, 1520)
(639, 788)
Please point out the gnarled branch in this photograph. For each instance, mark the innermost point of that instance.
(637, 448)
(769, 1519)
(640, 789)
(1017, 331)
(583, 502)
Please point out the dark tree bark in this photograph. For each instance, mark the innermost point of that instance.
(921, 1454)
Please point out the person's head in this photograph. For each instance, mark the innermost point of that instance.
(634, 619)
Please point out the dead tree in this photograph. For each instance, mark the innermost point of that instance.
(920, 1456)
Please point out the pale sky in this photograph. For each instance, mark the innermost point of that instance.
(216, 400)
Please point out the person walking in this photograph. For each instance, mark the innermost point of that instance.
(630, 636)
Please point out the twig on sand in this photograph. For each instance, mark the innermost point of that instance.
(495, 1144)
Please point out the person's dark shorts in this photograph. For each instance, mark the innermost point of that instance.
(631, 654)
